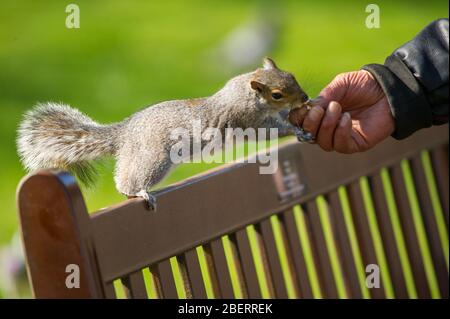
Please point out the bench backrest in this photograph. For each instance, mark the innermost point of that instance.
(318, 228)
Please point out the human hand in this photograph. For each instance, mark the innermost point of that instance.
(351, 114)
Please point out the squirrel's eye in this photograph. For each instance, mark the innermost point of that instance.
(277, 96)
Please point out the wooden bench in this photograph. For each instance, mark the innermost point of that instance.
(311, 230)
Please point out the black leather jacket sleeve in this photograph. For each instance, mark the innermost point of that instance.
(415, 80)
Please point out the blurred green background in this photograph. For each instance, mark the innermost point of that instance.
(129, 54)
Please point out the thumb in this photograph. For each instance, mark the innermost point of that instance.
(334, 91)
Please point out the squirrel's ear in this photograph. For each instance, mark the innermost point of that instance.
(269, 64)
(257, 86)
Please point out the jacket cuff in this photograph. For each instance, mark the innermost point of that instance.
(409, 106)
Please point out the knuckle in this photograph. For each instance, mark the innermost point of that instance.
(340, 77)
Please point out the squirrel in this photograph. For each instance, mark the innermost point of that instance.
(58, 136)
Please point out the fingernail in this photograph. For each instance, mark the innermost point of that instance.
(334, 107)
(345, 119)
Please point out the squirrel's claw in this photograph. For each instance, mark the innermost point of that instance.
(149, 198)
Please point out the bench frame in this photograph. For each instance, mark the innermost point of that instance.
(118, 241)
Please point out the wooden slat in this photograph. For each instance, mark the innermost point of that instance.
(166, 280)
(363, 232)
(387, 233)
(431, 227)
(195, 274)
(222, 273)
(248, 264)
(211, 272)
(265, 280)
(273, 258)
(439, 158)
(108, 291)
(289, 257)
(406, 219)
(298, 256)
(134, 285)
(238, 268)
(345, 248)
(154, 271)
(182, 268)
(326, 272)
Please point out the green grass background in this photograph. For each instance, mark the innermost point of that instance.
(129, 54)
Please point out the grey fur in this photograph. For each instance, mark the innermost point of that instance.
(55, 135)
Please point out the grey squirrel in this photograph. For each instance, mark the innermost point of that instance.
(58, 136)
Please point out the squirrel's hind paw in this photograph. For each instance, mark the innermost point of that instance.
(149, 198)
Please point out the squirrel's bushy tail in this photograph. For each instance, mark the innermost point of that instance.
(58, 136)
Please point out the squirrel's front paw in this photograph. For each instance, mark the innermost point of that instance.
(149, 198)
(303, 136)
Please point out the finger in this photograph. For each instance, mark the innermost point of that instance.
(313, 119)
(343, 141)
(329, 123)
